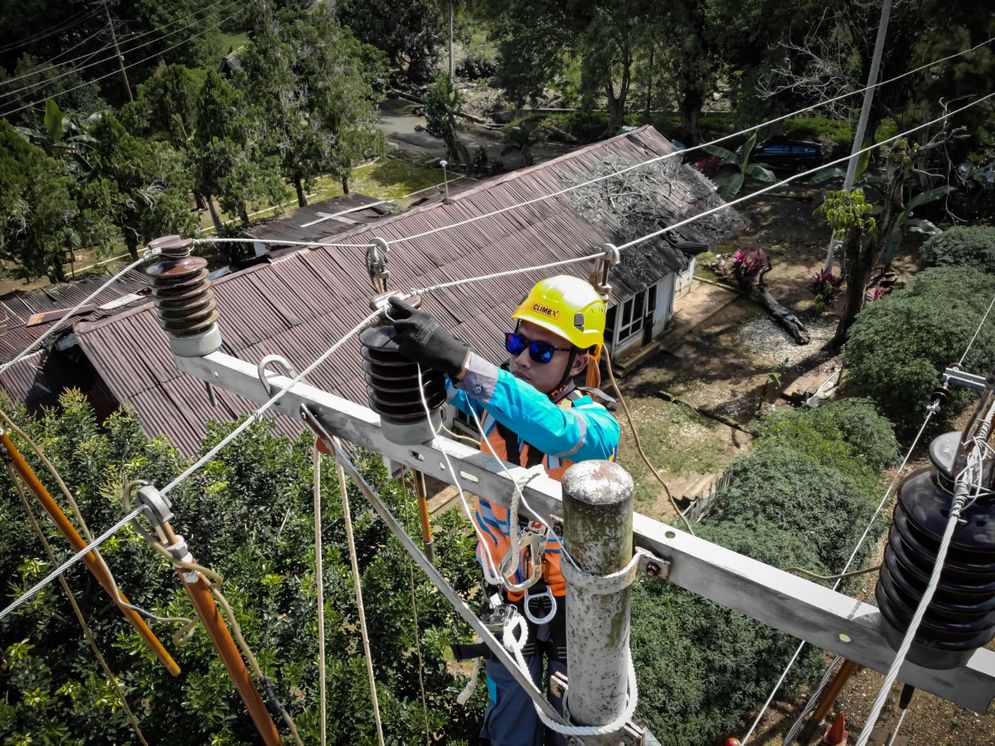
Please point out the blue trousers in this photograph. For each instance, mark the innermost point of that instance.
(510, 718)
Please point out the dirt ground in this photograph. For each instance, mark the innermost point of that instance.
(724, 366)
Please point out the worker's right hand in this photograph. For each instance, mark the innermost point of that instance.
(420, 337)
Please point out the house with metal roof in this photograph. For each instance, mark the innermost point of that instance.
(301, 302)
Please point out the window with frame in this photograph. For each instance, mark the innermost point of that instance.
(631, 316)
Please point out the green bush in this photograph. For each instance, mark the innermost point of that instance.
(899, 345)
(843, 433)
(703, 668)
(966, 246)
(787, 488)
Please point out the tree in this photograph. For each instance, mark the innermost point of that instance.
(37, 211)
(443, 102)
(248, 516)
(229, 162)
(315, 85)
(899, 346)
(849, 216)
(145, 182)
(410, 33)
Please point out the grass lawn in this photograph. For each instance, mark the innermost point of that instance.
(677, 440)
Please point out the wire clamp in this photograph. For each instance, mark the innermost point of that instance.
(289, 370)
(616, 582)
(377, 256)
(157, 506)
(602, 269)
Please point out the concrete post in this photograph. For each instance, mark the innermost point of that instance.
(597, 531)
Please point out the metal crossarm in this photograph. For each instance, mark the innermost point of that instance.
(803, 609)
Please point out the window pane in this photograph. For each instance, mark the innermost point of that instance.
(638, 312)
(627, 312)
(652, 299)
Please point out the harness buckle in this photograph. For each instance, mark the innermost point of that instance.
(540, 598)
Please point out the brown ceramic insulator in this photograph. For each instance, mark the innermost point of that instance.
(182, 289)
(392, 380)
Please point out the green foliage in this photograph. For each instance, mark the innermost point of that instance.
(899, 346)
(737, 167)
(847, 431)
(701, 667)
(37, 212)
(835, 134)
(409, 33)
(248, 515)
(971, 247)
(847, 213)
(442, 102)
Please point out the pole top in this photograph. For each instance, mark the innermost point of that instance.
(598, 483)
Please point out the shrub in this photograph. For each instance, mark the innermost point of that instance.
(899, 346)
(835, 134)
(701, 667)
(747, 265)
(781, 485)
(967, 246)
(840, 433)
(825, 287)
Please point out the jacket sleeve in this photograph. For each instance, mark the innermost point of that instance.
(585, 431)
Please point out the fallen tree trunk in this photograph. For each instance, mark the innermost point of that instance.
(782, 313)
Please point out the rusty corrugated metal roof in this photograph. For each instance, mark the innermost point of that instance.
(304, 301)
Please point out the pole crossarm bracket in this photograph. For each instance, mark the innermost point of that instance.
(801, 608)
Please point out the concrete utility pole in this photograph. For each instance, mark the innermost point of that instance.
(117, 51)
(452, 61)
(865, 113)
(597, 532)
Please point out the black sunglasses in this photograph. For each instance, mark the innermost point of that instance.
(539, 351)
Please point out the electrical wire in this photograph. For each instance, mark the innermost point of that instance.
(50, 64)
(72, 312)
(262, 409)
(319, 576)
(929, 415)
(40, 585)
(158, 54)
(976, 332)
(193, 17)
(693, 148)
(69, 23)
(846, 567)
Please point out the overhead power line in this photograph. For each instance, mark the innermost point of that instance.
(71, 22)
(193, 18)
(200, 33)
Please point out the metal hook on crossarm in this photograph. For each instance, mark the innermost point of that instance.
(377, 256)
(600, 276)
(289, 370)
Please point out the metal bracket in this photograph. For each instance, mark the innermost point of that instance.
(159, 507)
(377, 256)
(289, 370)
(957, 376)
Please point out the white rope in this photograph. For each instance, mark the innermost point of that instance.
(357, 583)
(976, 332)
(256, 415)
(898, 727)
(506, 273)
(23, 598)
(691, 149)
(846, 568)
(319, 572)
(72, 312)
(962, 487)
(516, 644)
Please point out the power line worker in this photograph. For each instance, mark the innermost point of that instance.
(532, 413)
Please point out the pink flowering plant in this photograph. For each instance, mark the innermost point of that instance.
(746, 265)
(825, 287)
(874, 294)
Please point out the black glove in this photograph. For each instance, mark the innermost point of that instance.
(423, 339)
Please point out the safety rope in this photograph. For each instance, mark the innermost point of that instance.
(78, 612)
(639, 444)
(319, 581)
(414, 618)
(358, 585)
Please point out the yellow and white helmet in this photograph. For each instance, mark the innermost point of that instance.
(569, 307)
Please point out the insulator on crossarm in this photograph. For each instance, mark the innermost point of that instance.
(184, 299)
(392, 386)
(961, 616)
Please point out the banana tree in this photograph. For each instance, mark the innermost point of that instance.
(736, 167)
(61, 136)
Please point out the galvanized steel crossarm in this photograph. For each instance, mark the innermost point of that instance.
(825, 618)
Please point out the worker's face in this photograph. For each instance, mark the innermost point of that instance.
(545, 376)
